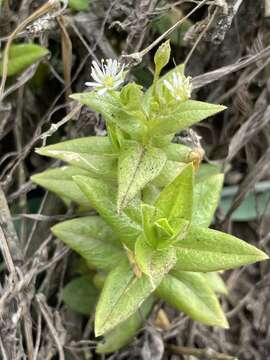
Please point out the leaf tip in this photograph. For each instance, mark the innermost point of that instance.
(225, 324)
(40, 151)
(99, 328)
(77, 96)
(73, 96)
(35, 178)
(223, 107)
(222, 321)
(261, 255)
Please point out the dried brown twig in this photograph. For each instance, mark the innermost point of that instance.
(208, 354)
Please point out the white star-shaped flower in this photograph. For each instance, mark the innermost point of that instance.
(180, 86)
(109, 76)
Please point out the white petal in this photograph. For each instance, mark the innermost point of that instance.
(91, 83)
(96, 77)
(114, 67)
(96, 69)
(119, 77)
(118, 82)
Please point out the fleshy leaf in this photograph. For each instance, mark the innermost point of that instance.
(183, 116)
(93, 239)
(150, 194)
(207, 250)
(103, 198)
(205, 199)
(169, 172)
(21, 56)
(178, 152)
(81, 295)
(189, 292)
(216, 283)
(131, 96)
(154, 262)
(149, 215)
(93, 153)
(112, 110)
(137, 166)
(60, 182)
(124, 333)
(207, 170)
(122, 295)
(175, 200)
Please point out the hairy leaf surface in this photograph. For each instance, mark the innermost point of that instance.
(122, 295)
(189, 292)
(205, 199)
(137, 166)
(61, 183)
(124, 333)
(103, 198)
(93, 153)
(93, 239)
(110, 107)
(175, 200)
(154, 262)
(183, 116)
(207, 250)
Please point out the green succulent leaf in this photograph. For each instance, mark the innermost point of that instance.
(169, 172)
(131, 96)
(124, 333)
(189, 292)
(115, 135)
(112, 110)
(94, 154)
(154, 262)
(183, 116)
(150, 194)
(60, 182)
(207, 170)
(137, 166)
(163, 229)
(216, 283)
(103, 198)
(122, 295)
(81, 295)
(93, 239)
(205, 199)
(206, 250)
(21, 56)
(178, 152)
(149, 215)
(175, 200)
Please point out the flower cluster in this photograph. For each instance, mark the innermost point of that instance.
(110, 75)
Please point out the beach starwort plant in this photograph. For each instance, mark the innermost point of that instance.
(154, 202)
